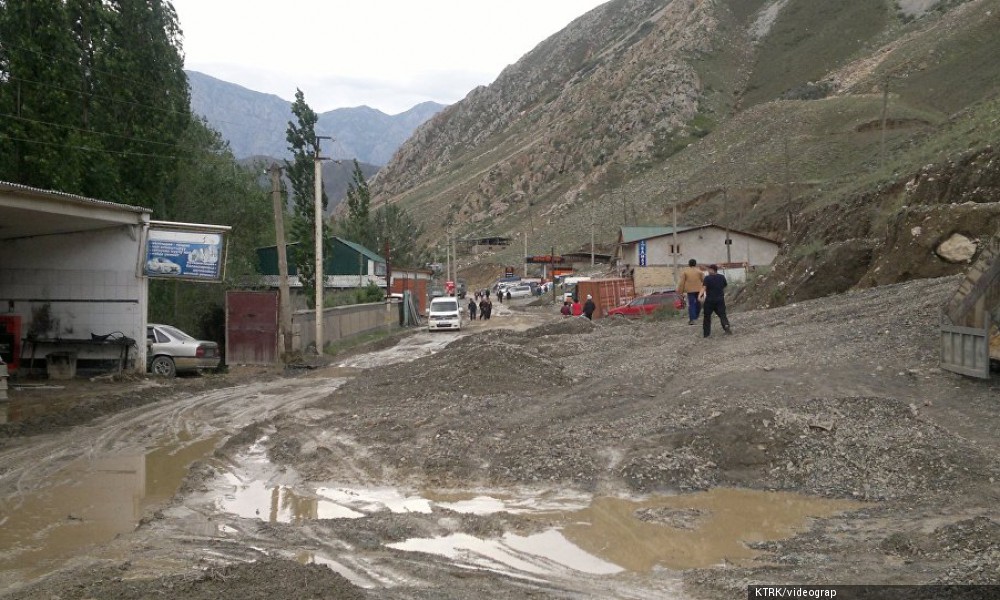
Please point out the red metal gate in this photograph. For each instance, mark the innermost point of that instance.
(251, 328)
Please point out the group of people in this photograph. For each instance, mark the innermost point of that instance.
(482, 305)
(575, 309)
(704, 293)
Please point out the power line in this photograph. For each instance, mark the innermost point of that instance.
(99, 97)
(92, 131)
(89, 149)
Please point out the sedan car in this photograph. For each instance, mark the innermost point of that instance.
(162, 265)
(169, 351)
(645, 305)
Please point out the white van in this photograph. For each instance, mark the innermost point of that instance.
(444, 313)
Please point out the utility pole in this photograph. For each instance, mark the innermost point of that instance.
(677, 198)
(592, 211)
(729, 242)
(788, 186)
(318, 209)
(525, 252)
(885, 110)
(284, 296)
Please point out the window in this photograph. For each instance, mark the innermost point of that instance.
(380, 269)
(675, 250)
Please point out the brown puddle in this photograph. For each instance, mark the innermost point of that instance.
(692, 530)
(91, 502)
(612, 535)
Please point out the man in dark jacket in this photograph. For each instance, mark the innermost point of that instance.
(589, 307)
(713, 300)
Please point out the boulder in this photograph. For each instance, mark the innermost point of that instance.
(957, 249)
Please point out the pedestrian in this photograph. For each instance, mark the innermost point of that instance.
(472, 309)
(482, 308)
(489, 309)
(566, 309)
(500, 296)
(714, 299)
(576, 308)
(487, 290)
(589, 307)
(690, 284)
(508, 294)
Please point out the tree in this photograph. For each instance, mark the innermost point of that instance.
(396, 227)
(358, 226)
(304, 146)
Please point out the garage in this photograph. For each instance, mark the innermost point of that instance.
(72, 290)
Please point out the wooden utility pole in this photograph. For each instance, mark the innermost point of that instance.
(284, 296)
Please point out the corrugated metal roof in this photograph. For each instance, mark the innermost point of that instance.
(54, 195)
(634, 234)
(362, 250)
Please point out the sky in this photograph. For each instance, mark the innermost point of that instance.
(386, 54)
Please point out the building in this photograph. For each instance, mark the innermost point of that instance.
(350, 265)
(648, 254)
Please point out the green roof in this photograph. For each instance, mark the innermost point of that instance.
(634, 234)
(362, 250)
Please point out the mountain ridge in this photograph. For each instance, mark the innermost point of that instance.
(254, 122)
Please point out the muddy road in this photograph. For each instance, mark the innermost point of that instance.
(530, 456)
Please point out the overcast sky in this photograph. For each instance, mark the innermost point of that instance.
(387, 54)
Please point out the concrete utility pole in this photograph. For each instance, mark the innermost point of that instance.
(676, 248)
(885, 110)
(284, 296)
(318, 210)
(593, 201)
(525, 253)
(729, 242)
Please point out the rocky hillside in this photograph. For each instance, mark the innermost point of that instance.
(254, 123)
(834, 127)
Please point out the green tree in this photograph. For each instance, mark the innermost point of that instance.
(395, 227)
(39, 142)
(211, 188)
(304, 146)
(359, 226)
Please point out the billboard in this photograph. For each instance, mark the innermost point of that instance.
(185, 254)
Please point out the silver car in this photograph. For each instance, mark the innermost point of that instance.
(169, 351)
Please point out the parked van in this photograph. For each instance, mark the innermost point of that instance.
(444, 313)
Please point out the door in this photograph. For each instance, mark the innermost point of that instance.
(966, 350)
(251, 328)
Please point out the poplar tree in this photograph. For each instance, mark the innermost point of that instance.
(304, 147)
(358, 226)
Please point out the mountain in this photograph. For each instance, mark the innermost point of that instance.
(861, 133)
(254, 123)
(337, 176)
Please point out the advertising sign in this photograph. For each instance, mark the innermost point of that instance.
(642, 253)
(184, 254)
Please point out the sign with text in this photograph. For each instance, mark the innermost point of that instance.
(184, 254)
(642, 253)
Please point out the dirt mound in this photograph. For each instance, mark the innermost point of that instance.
(260, 580)
(567, 326)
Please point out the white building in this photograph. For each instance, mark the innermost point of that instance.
(648, 253)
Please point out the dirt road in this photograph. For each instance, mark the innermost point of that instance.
(533, 456)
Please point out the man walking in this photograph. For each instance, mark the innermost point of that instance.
(690, 284)
(714, 298)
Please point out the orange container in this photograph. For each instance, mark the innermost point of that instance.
(607, 293)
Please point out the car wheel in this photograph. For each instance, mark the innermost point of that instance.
(163, 366)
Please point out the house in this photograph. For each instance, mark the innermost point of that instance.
(349, 265)
(649, 254)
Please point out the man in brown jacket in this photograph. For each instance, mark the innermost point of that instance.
(690, 283)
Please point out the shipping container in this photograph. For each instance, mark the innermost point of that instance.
(607, 293)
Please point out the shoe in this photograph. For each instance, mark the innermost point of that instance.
(729, 331)
(690, 322)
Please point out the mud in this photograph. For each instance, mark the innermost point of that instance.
(532, 456)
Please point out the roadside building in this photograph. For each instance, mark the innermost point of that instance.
(74, 275)
(648, 254)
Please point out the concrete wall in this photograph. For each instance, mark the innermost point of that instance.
(343, 322)
(73, 285)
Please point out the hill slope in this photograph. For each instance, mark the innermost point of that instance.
(753, 113)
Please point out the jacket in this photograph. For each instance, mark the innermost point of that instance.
(691, 281)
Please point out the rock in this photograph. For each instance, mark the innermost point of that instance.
(956, 249)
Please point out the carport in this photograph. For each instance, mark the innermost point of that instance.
(72, 290)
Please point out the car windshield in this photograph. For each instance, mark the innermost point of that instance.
(444, 306)
(177, 334)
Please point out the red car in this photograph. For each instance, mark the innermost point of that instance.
(645, 305)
